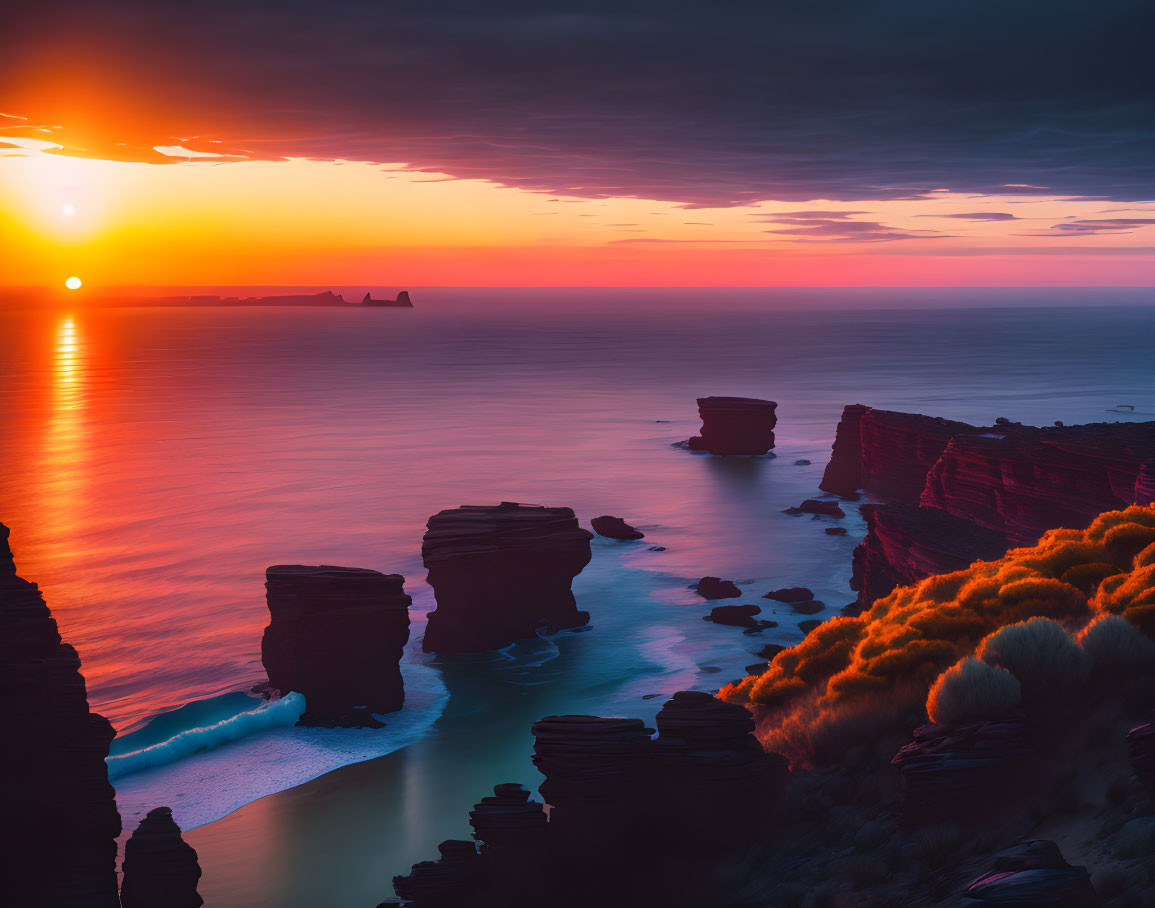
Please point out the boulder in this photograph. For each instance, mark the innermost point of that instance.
(500, 573)
(790, 594)
(615, 528)
(817, 506)
(735, 615)
(715, 588)
(1032, 873)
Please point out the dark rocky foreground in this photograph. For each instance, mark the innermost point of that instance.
(632, 820)
(735, 425)
(59, 815)
(500, 573)
(949, 493)
(336, 635)
(160, 869)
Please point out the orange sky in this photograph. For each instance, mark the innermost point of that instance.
(306, 222)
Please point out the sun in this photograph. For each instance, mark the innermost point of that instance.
(73, 283)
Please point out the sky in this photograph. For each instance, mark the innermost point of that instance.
(827, 143)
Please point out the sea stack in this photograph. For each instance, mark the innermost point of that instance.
(336, 636)
(60, 814)
(160, 868)
(501, 572)
(735, 425)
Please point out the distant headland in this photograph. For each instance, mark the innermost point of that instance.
(324, 298)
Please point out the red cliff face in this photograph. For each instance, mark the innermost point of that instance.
(887, 454)
(735, 425)
(336, 636)
(500, 573)
(60, 814)
(951, 493)
(904, 544)
(1023, 481)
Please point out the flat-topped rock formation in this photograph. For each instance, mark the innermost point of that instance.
(949, 493)
(336, 635)
(60, 814)
(735, 425)
(500, 573)
(402, 301)
(160, 869)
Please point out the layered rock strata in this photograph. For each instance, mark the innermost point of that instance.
(620, 804)
(59, 807)
(949, 493)
(336, 635)
(500, 573)
(735, 425)
(160, 869)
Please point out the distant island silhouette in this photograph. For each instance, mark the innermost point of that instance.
(324, 298)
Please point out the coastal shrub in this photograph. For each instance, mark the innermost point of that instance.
(1116, 646)
(907, 639)
(1040, 654)
(972, 691)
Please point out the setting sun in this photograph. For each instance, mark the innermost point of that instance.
(73, 283)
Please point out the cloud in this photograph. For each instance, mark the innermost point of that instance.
(832, 230)
(1096, 227)
(692, 102)
(976, 216)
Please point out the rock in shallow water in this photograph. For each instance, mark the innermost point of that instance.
(819, 507)
(160, 868)
(336, 636)
(716, 588)
(500, 573)
(735, 425)
(790, 594)
(615, 528)
(59, 811)
(734, 615)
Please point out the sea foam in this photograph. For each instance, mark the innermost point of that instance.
(206, 773)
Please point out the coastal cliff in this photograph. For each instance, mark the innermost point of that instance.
(949, 493)
(60, 814)
(160, 868)
(501, 572)
(336, 635)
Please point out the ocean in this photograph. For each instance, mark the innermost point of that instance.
(157, 460)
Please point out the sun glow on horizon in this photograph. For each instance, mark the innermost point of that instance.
(73, 283)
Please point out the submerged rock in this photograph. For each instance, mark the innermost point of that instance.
(336, 635)
(615, 528)
(735, 425)
(811, 607)
(836, 531)
(716, 588)
(160, 868)
(500, 573)
(60, 815)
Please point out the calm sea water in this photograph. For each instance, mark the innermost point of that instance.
(157, 460)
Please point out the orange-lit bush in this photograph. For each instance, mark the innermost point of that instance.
(1040, 654)
(911, 636)
(972, 691)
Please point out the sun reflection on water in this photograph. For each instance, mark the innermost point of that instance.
(65, 446)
